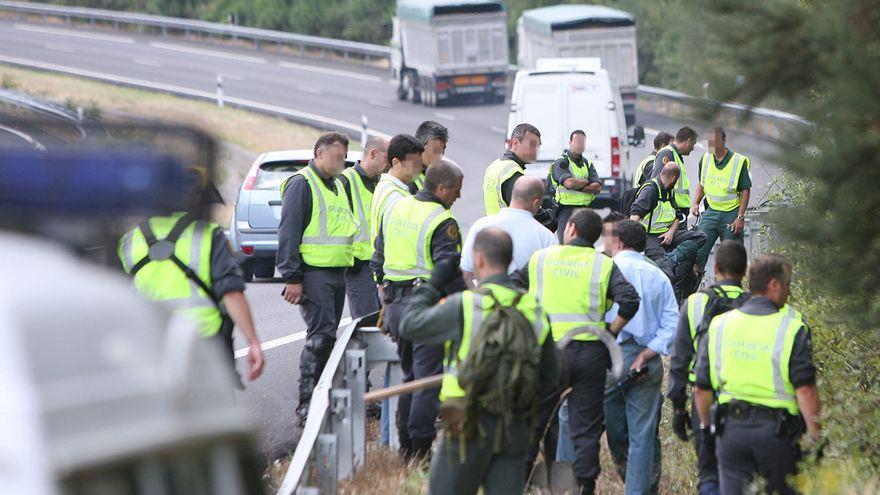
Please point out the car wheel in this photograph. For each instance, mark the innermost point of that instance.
(264, 270)
(247, 270)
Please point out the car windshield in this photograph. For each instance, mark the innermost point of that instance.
(272, 174)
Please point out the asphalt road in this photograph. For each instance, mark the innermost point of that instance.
(334, 91)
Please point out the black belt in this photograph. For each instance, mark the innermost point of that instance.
(741, 410)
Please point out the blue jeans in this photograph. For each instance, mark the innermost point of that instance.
(564, 447)
(631, 417)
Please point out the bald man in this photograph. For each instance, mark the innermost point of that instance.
(518, 221)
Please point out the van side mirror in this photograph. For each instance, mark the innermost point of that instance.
(637, 136)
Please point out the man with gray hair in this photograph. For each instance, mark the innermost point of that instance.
(359, 183)
(518, 221)
(417, 233)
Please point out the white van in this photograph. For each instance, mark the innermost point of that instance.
(564, 94)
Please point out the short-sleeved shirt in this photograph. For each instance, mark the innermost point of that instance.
(527, 234)
(743, 182)
(801, 370)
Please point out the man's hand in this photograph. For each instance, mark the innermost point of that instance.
(381, 289)
(695, 210)
(642, 359)
(666, 237)
(293, 293)
(255, 361)
(445, 272)
(681, 423)
(737, 226)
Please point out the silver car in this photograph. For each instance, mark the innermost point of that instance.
(253, 230)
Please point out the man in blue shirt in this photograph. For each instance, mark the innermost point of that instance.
(632, 408)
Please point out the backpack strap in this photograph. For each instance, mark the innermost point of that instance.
(163, 249)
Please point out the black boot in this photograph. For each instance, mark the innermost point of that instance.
(587, 486)
(420, 448)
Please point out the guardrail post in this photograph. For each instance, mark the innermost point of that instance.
(356, 381)
(327, 461)
(395, 377)
(341, 425)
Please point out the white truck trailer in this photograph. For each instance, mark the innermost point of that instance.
(449, 49)
(564, 31)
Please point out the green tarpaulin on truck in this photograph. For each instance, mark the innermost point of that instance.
(425, 10)
(546, 20)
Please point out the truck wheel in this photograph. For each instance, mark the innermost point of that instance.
(411, 91)
(401, 90)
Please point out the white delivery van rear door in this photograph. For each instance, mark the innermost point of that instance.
(587, 108)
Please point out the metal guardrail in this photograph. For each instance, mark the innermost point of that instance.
(22, 100)
(333, 442)
(367, 53)
(758, 121)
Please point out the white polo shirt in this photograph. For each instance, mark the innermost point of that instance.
(527, 234)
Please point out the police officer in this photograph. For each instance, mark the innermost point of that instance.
(576, 285)
(655, 208)
(416, 233)
(681, 146)
(187, 263)
(757, 360)
(434, 136)
(315, 237)
(404, 164)
(464, 463)
(525, 141)
(360, 182)
(730, 268)
(726, 185)
(575, 180)
(646, 167)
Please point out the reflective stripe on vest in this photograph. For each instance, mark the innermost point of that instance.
(327, 239)
(638, 177)
(407, 229)
(496, 174)
(569, 197)
(387, 192)
(165, 282)
(696, 306)
(663, 215)
(475, 308)
(719, 185)
(419, 181)
(571, 284)
(682, 191)
(749, 357)
(361, 202)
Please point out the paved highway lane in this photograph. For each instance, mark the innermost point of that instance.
(333, 91)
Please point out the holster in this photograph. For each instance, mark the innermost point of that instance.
(718, 417)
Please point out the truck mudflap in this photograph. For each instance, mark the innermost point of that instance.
(492, 84)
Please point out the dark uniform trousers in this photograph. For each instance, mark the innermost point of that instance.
(750, 447)
(321, 308)
(588, 364)
(707, 463)
(460, 467)
(677, 259)
(363, 299)
(417, 412)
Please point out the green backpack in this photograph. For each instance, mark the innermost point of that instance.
(501, 374)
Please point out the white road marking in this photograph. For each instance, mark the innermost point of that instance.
(497, 129)
(651, 131)
(147, 62)
(354, 127)
(58, 48)
(380, 103)
(207, 53)
(309, 89)
(331, 72)
(234, 77)
(444, 115)
(74, 34)
(287, 339)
